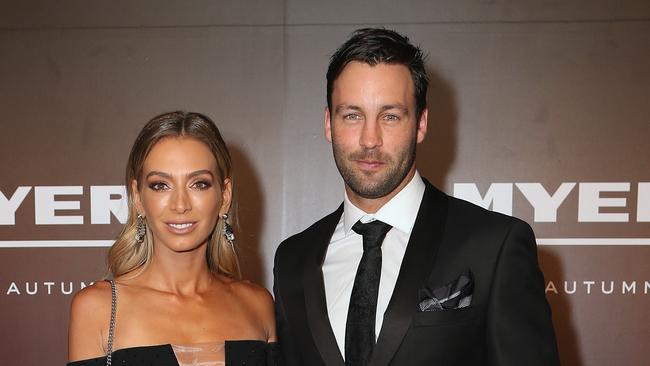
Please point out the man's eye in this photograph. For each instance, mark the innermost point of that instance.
(201, 185)
(352, 117)
(391, 117)
(158, 186)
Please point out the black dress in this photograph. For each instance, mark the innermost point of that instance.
(228, 353)
(246, 352)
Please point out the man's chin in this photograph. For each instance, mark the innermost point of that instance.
(371, 191)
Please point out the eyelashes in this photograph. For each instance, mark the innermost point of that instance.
(201, 185)
(160, 186)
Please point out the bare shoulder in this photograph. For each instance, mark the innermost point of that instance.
(252, 293)
(258, 301)
(89, 314)
(90, 301)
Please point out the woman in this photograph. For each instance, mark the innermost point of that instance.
(176, 298)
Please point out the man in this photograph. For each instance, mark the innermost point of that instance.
(400, 273)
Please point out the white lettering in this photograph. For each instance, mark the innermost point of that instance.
(46, 206)
(566, 290)
(63, 290)
(545, 205)
(588, 284)
(643, 203)
(590, 202)
(646, 288)
(13, 288)
(611, 287)
(8, 207)
(498, 196)
(32, 292)
(550, 287)
(101, 204)
(631, 287)
(49, 287)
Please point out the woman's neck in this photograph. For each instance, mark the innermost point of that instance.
(181, 273)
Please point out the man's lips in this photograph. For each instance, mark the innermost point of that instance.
(181, 227)
(369, 164)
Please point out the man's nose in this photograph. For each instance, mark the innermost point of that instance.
(370, 134)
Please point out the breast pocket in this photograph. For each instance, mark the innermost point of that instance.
(445, 317)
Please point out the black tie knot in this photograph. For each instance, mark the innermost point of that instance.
(373, 233)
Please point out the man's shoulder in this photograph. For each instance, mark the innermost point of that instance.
(477, 216)
(465, 211)
(300, 241)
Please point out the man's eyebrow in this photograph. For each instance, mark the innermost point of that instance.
(399, 107)
(346, 107)
(189, 175)
(341, 107)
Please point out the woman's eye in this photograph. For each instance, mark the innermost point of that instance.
(158, 186)
(201, 185)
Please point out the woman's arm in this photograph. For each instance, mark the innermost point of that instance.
(89, 317)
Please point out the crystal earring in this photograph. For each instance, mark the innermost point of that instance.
(141, 230)
(227, 230)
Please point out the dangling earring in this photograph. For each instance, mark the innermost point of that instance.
(141, 230)
(227, 231)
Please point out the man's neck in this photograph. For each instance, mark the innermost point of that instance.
(372, 205)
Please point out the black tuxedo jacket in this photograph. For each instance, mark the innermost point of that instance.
(507, 323)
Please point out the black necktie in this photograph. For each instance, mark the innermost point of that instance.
(360, 326)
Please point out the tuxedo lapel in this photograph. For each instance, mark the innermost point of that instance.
(314, 290)
(416, 266)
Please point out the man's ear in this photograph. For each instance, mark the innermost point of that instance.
(226, 196)
(328, 125)
(137, 198)
(422, 125)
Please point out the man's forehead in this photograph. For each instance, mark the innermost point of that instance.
(382, 86)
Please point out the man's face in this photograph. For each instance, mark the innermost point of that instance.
(373, 128)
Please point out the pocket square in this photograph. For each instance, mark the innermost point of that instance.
(454, 295)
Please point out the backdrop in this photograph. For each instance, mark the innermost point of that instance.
(538, 109)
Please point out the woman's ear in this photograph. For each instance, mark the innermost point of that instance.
(226, 196)
(137, 199)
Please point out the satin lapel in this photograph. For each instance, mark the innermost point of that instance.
(416, 267)
(314, 289)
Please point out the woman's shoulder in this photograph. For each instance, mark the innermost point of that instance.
(258, 302)
(90, 313)
(94, 297)
(92, 305)
(254, 293)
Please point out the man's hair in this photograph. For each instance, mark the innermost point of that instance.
(379, 45)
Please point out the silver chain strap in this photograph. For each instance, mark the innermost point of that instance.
(111, 328)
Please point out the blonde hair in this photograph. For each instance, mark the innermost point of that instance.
(126, 255)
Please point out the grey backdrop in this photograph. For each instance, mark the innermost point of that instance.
(522, 91)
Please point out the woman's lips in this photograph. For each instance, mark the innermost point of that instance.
(181, 227)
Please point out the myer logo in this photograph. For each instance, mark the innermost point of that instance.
(104, 201)
(545, 204)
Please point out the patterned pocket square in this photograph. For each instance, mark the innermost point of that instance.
(454, 295)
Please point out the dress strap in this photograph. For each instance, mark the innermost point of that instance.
(111, 327)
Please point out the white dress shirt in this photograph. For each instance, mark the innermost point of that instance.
(346, 248)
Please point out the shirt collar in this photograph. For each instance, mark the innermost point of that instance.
(400, 212)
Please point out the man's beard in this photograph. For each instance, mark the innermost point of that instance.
(379, 184)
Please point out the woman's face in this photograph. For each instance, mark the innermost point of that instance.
(180, 193)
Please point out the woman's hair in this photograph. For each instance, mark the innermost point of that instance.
(127, 255)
